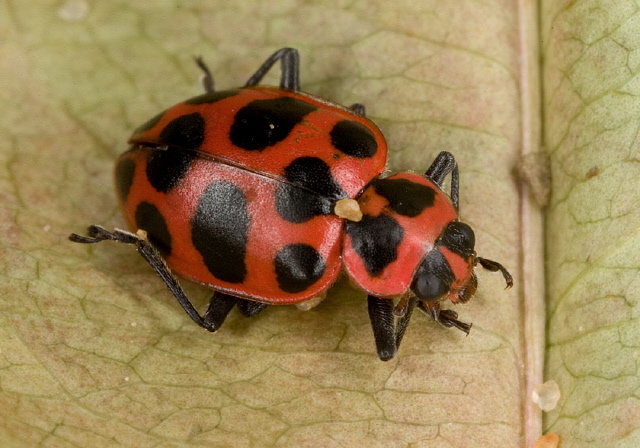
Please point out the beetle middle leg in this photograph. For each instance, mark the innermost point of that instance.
(207, 79)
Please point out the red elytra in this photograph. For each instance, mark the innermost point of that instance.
(242, 190)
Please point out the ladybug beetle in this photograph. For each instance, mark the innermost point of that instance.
(264, 194)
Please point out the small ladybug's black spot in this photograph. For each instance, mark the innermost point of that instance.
(125, 171)
(433, 278)
(149, 124)
(211, 97)
(312, 173)
(459, 238)
(166, 167)
(298, 266)
(220, 230)
(405, 197)
(376, 240)
(354, 139)
(186, 131)
(149, 219)
(297, 205)
(263, 123)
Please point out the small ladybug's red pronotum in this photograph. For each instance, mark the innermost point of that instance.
(264, 193)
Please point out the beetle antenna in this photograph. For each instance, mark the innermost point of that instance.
(494, 266)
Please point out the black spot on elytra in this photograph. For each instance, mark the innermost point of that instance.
(165, 168)
(405, 197)
(354, 139)
(459, 238)
(220, 229)
(298, 266)
(186, 131)
(312, 173)
(149, 219)
(297, 205)
(125, 171)
(149, 124)
(433, 278)
(211, 97)
(311, 190)
(263, 123)
(376, 240)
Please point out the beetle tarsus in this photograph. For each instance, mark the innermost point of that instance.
(447, 318)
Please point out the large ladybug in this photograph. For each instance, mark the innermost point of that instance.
(263, 194)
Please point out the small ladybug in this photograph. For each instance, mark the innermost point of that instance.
(264, 194)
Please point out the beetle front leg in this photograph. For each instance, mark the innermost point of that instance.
(447, 318)
(155, 260)
(444, 164)
(387, 334)
(383, 325)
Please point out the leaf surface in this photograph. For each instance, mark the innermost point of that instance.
(591, 108)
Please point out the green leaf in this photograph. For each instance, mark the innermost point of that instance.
(94, 351)
(592, 107)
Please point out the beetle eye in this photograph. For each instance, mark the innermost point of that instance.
(459, 238)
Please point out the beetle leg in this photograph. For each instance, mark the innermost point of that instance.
(358, 108)
(220, 306)
(250, 308)
(448, 318)
(290, 61)
(444, 164)
(386, 332)
(207, 79)
(383, 323)
(403, 322)
(153, 257)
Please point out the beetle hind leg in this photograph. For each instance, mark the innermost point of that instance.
(97, 234)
